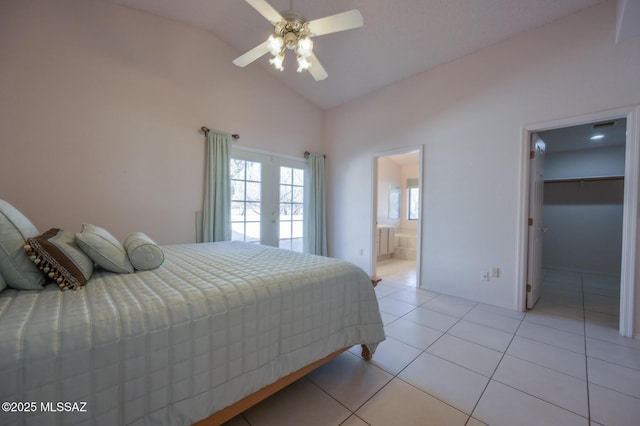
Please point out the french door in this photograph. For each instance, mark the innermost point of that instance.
(267, 199)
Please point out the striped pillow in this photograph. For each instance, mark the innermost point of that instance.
(57, 255)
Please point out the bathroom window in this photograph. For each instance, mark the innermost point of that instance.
(413, 203)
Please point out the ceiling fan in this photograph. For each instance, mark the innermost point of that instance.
(292, 32)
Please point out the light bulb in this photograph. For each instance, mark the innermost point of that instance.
(303, 64)
(274, 44)
(277, 61)
(305, 47)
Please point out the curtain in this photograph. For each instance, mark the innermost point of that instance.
(216, 211)
(316, 226)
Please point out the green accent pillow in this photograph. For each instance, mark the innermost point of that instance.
(57, 255)
(104, 249)
(16, 269)
(144, 254)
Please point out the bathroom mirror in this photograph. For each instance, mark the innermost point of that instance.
(394, 202)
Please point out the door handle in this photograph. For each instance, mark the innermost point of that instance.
(544, 229)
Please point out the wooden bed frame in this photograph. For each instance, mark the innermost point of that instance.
(226, 414)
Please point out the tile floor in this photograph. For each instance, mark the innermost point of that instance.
(451, 361)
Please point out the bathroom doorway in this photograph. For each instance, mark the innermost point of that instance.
(397, 205)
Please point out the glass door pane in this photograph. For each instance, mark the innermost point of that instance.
(267, 200)
(246, 196)
(291, 208)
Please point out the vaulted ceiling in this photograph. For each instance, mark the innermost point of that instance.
(399, 38)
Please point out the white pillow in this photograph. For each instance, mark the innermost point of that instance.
(104, 249)
(144, 254)
(16, 268)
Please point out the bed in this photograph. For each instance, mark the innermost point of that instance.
(197, 339)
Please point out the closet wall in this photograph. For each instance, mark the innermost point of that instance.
(583, 200)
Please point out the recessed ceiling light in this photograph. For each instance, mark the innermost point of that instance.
(596, 137)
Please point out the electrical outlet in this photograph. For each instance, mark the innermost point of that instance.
(484, 276)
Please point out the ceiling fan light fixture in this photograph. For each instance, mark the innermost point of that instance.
(303, 63)
(291, 31)
(277, 61)
(275, 44)
(304, 47)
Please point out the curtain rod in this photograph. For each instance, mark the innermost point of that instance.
(307, 154)
(206, 130)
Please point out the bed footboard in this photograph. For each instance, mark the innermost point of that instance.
(226, 414)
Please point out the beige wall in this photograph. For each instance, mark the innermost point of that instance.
(100, 107)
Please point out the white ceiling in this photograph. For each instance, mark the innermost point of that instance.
(399, 38)
(577, 138)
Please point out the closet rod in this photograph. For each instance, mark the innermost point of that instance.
(585, 179)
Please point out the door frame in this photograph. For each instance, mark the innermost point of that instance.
(536, 227)
(628, 268)
(373, 260)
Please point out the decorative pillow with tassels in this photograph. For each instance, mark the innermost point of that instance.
(57, 255)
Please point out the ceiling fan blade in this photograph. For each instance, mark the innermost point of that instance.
(335, 23)
(251, 55)
(316, 69)
(266, 10)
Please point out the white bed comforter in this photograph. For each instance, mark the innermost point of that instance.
(213, 324)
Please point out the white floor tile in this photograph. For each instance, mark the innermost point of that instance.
(553, 357)
(414, 297)
(302, 402)
(399, 403)
(500, 311)
(392, 355)
(560, 308)
(383, 290)
(615, 377)
(610, 352)
(450, 383)
(493, 320)
(448, 305)
(395, 307)
(612, 408)
(540, 380)
(466, 354)
(552, 336)
(387, 318)
(431, 319)
(503, 405)
(416, 335)
(350, 380)
(605, 327)
(564, 323)
(560, 389)
(481, 334)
